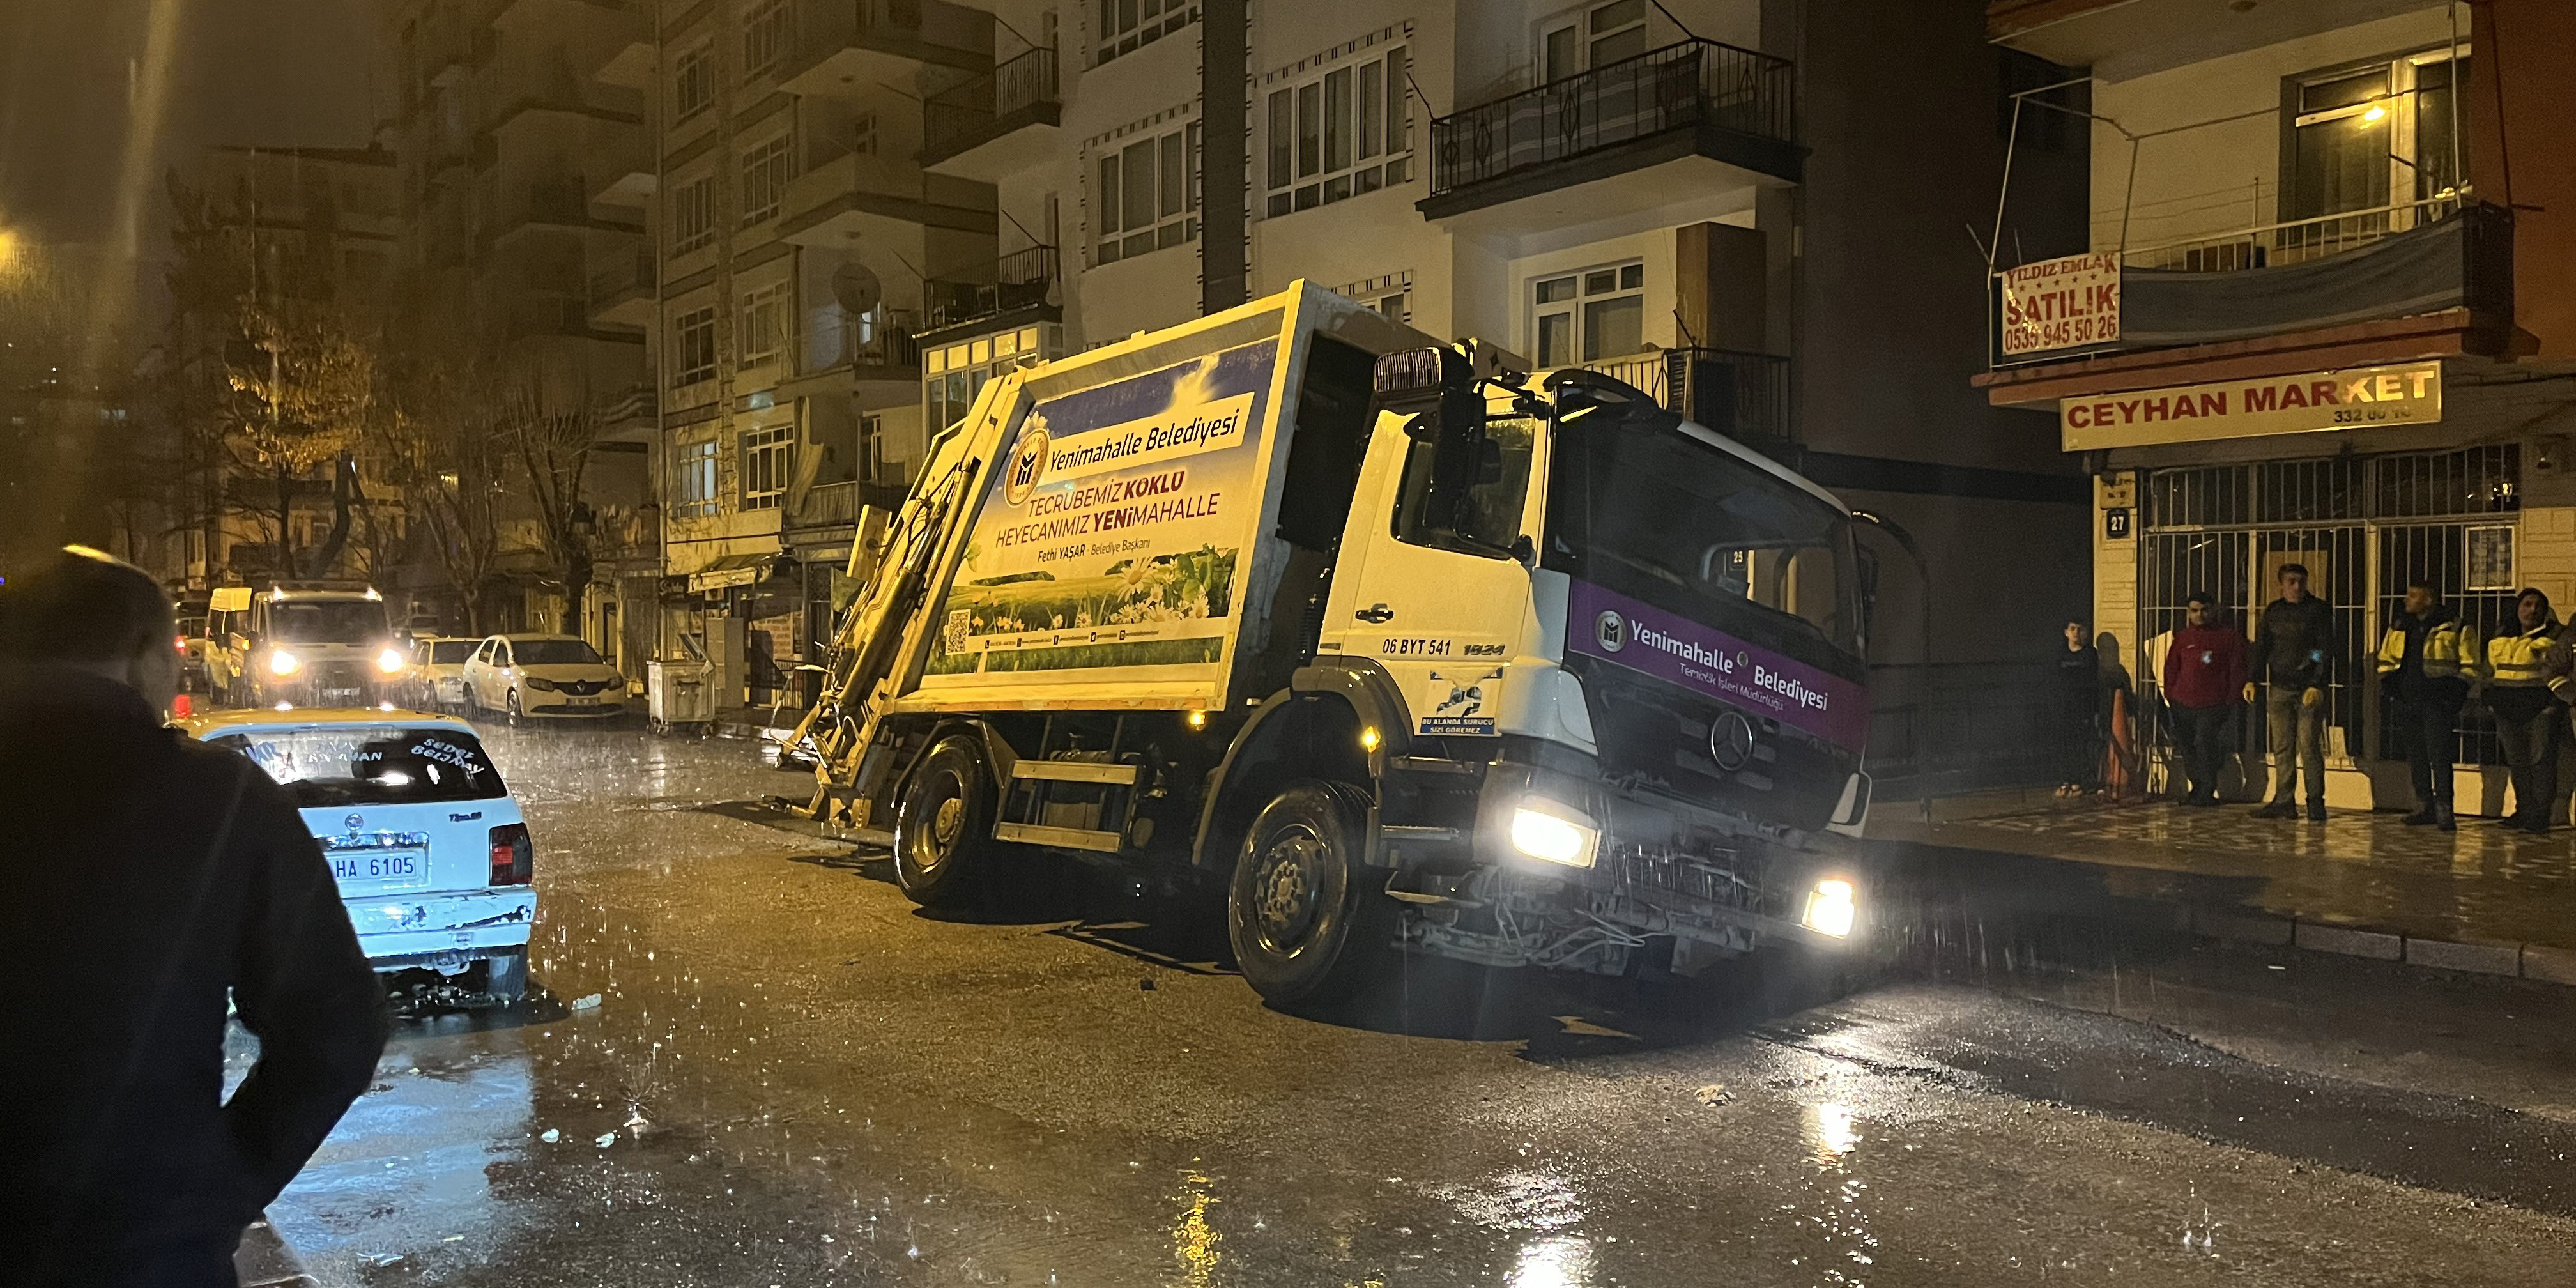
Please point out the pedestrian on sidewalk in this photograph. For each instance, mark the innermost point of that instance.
(2292, 646)
(2426, 661)
(2204, 674)
(2079, 714)
(2528, 714)
(148, 877)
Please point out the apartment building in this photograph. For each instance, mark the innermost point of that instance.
(523, 175)
(2321, 317)
(317, 224)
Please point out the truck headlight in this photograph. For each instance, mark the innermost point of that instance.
(281, 662)
(1546, 833)
(391, 661)
(1832, 907)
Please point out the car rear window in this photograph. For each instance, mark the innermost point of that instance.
(372, 764)
(444, 651)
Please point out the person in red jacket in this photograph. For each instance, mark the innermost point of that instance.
(2204, 678)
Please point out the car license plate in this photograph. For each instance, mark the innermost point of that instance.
(381, 869)
(335, 697)
(583, 702)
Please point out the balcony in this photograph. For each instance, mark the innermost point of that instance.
(1744, 396)
(625, 177)
(530, 316)
(2349, 289)
(561, 204)
(852, 196)
(826, 505)
(623, 296)
(1008, 291)
(996, 124)
(842, 43)
(1685, 117)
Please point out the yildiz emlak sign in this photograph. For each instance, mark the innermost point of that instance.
(2359, 398)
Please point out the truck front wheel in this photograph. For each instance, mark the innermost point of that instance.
(1308, 926)
(943, 828)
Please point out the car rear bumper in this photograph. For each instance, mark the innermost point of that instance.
(424, 927)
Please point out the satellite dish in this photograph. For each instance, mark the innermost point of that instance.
(856, 288)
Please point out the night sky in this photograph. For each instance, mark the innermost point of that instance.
(265, 72)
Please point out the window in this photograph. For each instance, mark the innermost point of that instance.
(693, 82)
(693, 347)
(953, 374)
(334, 766)
(1485, 517)
(872, 454)
(1590, 315)
(1391, 295)
(764, 325)
(1342, 133)
(1148, 195)
(764, 467)
(1129, 25)
(2368, 138)
(1597, 38)
(765, 172)
(693, 214)
(764, 35)
(693, 479)
(863, 134)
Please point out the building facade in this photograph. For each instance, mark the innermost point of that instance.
(2340, 238)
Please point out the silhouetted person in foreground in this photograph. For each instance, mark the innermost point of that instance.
(142, 877)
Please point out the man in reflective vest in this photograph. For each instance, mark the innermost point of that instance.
(2426, 661)
(2528, 714)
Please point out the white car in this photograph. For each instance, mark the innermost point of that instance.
(529, 677)
(433, 858)
(438, 669)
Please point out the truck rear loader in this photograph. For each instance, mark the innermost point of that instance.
(1413, 651)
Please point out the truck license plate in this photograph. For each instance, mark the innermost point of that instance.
(389, 870)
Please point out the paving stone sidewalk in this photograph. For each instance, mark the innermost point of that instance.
(2480, 885)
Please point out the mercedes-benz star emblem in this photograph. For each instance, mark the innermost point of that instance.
(1730, 741)
(1611, 631)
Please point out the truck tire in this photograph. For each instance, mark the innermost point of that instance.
(1308, 926)
(944, 849)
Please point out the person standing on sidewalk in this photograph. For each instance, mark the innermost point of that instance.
(147, 878)
(2204, 672)
(2426, 660)
(2292, 644)
(2079, 714)
(2528, 714)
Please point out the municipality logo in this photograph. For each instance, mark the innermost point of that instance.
(1610, 631)
(1028, 465)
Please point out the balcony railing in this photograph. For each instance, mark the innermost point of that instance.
(2293, 241)
(883, 339)
(956, 119)
(636, 272)
(636, 402)
(1695, 84)
(1744, 396)
(1019, 279)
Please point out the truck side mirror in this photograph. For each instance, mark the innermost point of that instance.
(1525, 551)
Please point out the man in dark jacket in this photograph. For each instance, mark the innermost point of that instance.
(2426, 661)
(2204, 669)
(2292, 645)
(143, 876)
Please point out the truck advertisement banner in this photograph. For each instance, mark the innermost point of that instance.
(1112, 537)
(1620, 630)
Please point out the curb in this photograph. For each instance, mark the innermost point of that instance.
(264, 1261)
(2542, 963)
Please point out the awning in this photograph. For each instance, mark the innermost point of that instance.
(731, 570)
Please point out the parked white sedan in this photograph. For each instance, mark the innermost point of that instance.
(527, 677)
(434, 861)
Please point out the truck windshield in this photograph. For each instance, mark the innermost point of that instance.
(328, 621)
(1640, 507)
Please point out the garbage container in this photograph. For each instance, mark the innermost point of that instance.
(679, 694)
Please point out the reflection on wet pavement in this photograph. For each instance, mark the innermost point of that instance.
(793, 1078)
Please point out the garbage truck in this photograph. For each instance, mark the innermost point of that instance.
(1413, 651)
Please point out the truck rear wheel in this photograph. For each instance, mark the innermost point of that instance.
(1308, 926)
(943, 827)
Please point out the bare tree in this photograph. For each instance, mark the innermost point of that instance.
(547, 427)
(441, 449)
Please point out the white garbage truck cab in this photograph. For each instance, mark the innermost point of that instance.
(1411, 650)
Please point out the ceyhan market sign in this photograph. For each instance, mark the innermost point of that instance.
(2360, 398)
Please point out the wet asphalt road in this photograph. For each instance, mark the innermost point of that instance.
(793, 1078)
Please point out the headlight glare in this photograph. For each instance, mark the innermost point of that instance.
(1549, 835)
(1832, 908)
(391, 661)
(281, 662)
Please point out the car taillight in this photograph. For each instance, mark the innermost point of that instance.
(514, 856)
(181, 644)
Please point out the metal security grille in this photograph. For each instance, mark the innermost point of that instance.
(2364, 527)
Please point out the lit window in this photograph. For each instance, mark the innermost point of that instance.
(693, 347)
(1148, 194)
(765, 459)
(1341, 133)
(765, 172)
(693, 479)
